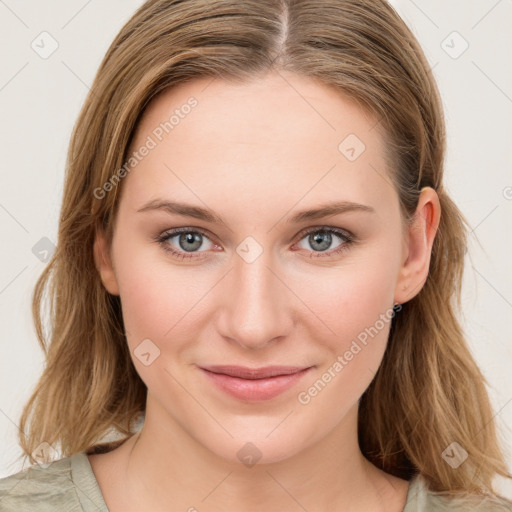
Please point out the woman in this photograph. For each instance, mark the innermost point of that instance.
(258, 259)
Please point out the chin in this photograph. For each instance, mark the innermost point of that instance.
(249, 448)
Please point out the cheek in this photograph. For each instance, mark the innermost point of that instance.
(352, 359)
(348, 299)
(157, 298)
(355, 307)
(165, 303)
(157, 306)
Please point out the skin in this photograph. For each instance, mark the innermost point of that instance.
(256, 154)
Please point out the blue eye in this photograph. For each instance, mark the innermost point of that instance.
(189, 240)
(322, 238)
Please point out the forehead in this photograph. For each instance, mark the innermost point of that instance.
(278, 137)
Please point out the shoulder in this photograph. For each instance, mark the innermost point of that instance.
(67, 485)
(421, 499)
(39, 486)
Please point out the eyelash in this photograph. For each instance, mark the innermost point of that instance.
(348, 239)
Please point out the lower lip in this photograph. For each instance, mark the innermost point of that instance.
(255, 390)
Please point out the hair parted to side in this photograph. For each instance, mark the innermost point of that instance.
(428, 391)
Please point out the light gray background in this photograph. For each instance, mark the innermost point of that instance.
(40, 100)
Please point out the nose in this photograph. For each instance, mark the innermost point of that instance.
(256, 305)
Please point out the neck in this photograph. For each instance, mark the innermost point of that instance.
(163, 464)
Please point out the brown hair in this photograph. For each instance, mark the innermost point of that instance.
(428, 391)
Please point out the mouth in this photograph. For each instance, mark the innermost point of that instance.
(254, 384)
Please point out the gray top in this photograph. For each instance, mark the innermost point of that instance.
(69, 485)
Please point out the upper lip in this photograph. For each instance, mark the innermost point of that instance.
(244, 372)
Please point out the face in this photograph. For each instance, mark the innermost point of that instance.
(252, 283)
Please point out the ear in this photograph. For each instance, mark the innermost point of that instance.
(103, 262)
(418, 246)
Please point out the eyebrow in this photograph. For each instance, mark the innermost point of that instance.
(198, 212)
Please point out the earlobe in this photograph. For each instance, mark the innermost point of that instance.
(103, 262)
(414, 271)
